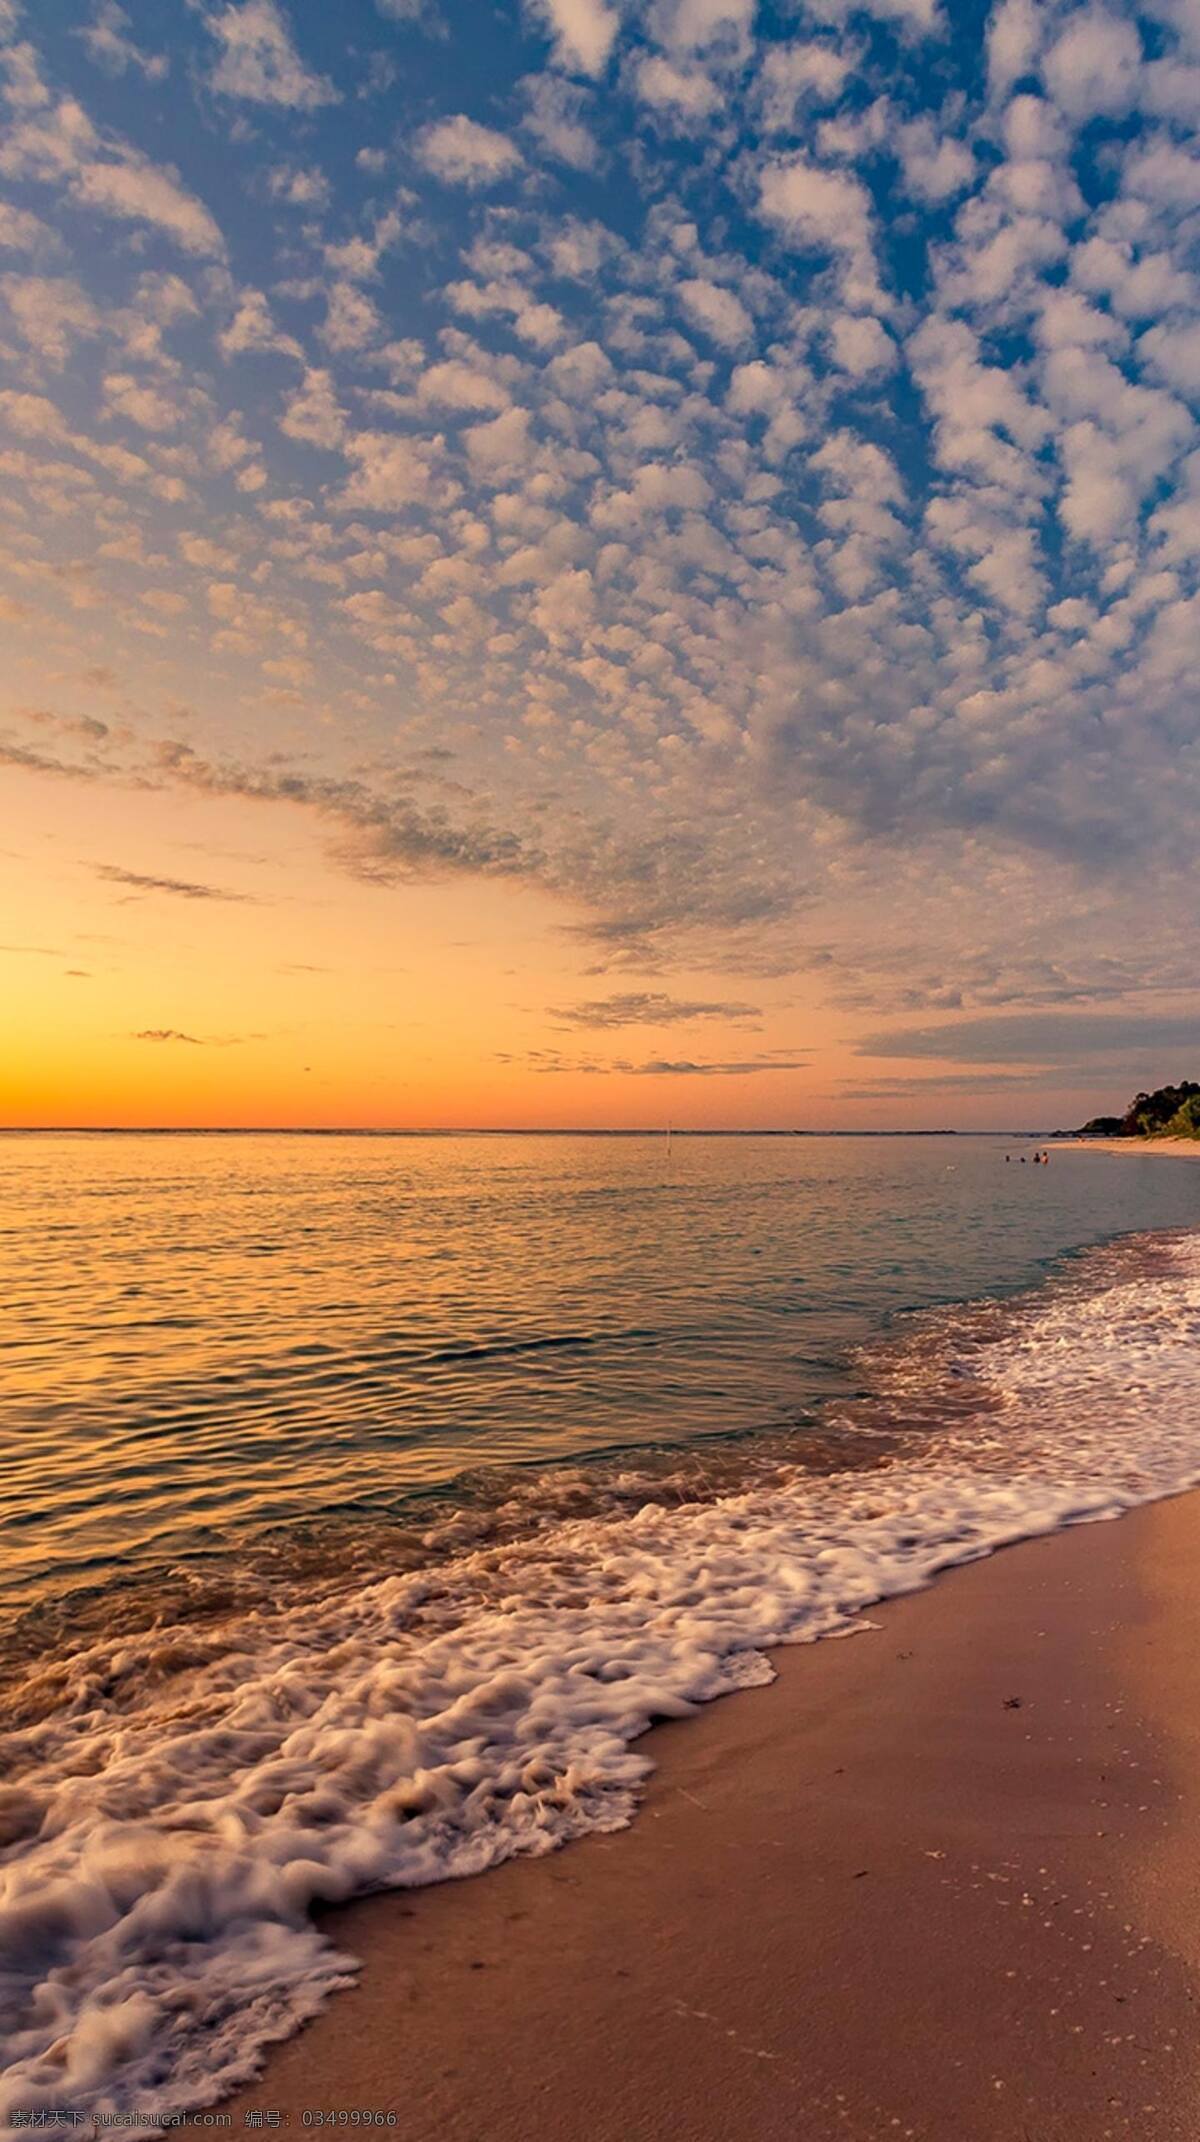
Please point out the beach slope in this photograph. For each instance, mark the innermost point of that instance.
(941, 1880)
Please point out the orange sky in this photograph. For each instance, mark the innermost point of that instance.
(291, 994)
(522, 605)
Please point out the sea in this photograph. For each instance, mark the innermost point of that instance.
(364, 1499)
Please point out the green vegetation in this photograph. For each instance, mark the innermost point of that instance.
(1171, 1112)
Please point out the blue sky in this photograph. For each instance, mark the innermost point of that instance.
(729, 471)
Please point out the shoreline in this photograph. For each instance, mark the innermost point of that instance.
(935, 1881)
(1179, 1148)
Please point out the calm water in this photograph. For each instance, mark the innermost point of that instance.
(364, 1501)
(203, 1337)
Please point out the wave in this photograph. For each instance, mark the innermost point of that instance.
(180, 1797)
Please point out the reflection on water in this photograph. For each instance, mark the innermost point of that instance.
(182, 1793)
(206, 1339)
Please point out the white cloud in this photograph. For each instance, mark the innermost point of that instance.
(936, 166)
(1137, 287)
(1164, 173)
(50, 313)
(777, 392)
(392, 472)
(252, 328)
(688, 92)
(565, 610)
(815, 73)
(693, 25)
(985, 423)
(624, 505)
(22, 232)
(860, 345)
(351, 321)
(141, 192)
(720, 313)
(827, 211)
(1173, 352)
(1093, 67)
(924, 16)
(458, 385)
(1014, 40)
(32, 416)
(501, 448)
(584, 32)
(297, 186)
(554, 116)
(141, 403)
(259, 60)
(463, 153)
(109, 44)
(312, 412)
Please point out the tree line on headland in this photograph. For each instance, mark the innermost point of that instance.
(1170, 1112)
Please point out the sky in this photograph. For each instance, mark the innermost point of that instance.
(600, 562)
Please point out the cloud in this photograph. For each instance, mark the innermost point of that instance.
(555, 116)
(137, 191)
(458, 384)
(936, 165)
(650, 1008)
(794, 73)
(313, 413)
(924, 16)
(109, 44)
(584, 31)
(775, 571)
(298, 186)
(54, 141)
(718, 312)
(695, 25)
(23, 232)
(179, 888)
(141, 404)
(1014, 37)
(253, 328)
(381, 838)
(549, 1063)
(751, 1067)
(934, 1084)
(50, 313)
(259, 60)
(391, 472)
(460, 152)
(1043, 1038)
(822, 210)
(686, 92)
(1093, 67)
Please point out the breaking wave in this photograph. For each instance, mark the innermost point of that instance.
(179, 1797)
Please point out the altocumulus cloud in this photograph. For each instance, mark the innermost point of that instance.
(775, 569)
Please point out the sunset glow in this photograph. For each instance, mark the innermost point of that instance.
(629, 566)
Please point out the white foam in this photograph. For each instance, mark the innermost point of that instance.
(168, 1827)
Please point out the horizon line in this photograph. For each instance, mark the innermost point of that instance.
(500, 1130)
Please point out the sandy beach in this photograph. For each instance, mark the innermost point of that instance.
(1173, 1148)
(939, 1881)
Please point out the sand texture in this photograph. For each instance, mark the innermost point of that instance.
(942, 1880)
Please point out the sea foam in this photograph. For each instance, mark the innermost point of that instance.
(168, 1824)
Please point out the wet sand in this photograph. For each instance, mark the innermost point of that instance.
(941, 1881)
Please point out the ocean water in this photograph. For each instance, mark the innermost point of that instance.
(364, 1499)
